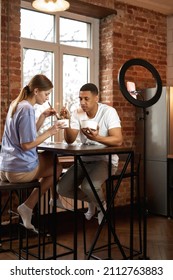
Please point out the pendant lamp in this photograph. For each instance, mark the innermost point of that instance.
(50, 5)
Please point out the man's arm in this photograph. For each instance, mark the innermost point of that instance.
(70, 134)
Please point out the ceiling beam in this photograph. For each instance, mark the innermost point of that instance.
(87, 9)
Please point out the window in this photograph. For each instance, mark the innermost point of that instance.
(75, 73)
(41, 27)
(36, 61)
(64, 47)
(75, 33)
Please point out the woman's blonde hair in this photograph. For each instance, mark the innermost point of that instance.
(38, 81)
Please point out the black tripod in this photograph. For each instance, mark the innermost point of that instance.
(143, 104)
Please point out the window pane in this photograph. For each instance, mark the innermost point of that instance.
(74, 33)
(38, 62)
(75, 74)
(38, 26)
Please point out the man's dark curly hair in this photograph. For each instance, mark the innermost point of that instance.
(90, 87)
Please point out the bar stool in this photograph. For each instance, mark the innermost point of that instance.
(21, 190)
(49, 242)
(112, 213)
(136, 176)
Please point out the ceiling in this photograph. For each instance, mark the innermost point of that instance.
(162, 6)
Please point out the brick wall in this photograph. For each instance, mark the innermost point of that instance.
(10, 67)
(10, 54)
(170, 51)
(132, 33)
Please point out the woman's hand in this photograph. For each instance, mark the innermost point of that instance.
(49, 112)
(54, 129)
(41, 138)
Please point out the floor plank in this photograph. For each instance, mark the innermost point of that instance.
(159, 238)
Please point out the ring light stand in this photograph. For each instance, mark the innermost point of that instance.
(143, 104)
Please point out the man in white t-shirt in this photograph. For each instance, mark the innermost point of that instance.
(108, 133)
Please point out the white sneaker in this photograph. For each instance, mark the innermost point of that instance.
(91, 211)
(26, 214)
(58, 203)
(100, 213)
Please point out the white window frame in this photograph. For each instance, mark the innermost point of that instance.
(59, 49)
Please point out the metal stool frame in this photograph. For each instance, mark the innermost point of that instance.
(19, 189)
(109, 192)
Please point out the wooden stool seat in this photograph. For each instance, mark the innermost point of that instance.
(7, 186)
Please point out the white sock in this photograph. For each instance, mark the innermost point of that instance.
(91, 211)
(26, 214)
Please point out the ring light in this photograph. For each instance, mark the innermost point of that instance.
(127, 94)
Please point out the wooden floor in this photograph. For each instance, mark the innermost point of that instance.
(159, 238)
